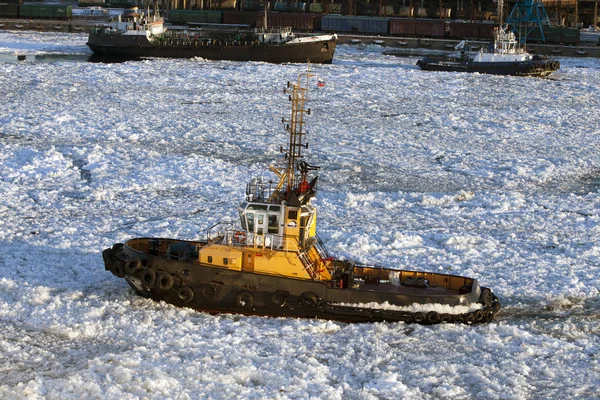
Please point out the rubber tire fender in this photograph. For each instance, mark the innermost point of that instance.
(478, 315)
(279, 298)
(132, 265)
(433, 317)
(185, 294)
(148, 277)
(107, 258)
(419, 317)
(117, 269)
(244, 299)
(445, 318)
(208, 291)
(308, 300)
(164, 281)
(469, 318)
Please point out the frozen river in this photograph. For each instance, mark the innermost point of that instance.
(486, 176)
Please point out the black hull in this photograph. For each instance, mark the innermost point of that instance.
(318, 52)
(537, 68)
(218, 290)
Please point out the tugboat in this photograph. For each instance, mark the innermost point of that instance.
(138, 36)
(273, 263)
(504, 57)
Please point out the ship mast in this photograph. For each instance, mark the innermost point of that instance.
(294, 184)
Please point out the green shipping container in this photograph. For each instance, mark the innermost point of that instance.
(56, 11)
(9, 10)
(195, 16)
(555, 35)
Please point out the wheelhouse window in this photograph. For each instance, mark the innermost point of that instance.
(250, 221)
(273, 223)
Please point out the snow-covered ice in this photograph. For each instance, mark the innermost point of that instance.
(492, 177)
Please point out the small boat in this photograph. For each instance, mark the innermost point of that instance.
(556, 51)
(273, 263)
(378, 42)
(400, 43)
(355, 41)
(504, 57)
(581, 52)
(144, 35)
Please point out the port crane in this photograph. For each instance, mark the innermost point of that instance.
(527, 16)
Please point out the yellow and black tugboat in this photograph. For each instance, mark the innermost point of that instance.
(272, 263)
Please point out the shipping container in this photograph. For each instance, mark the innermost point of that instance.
(284, 6)
(315, 8)
(417, 27)
(241, 17)
(40, 10)
(471, 30)
(339, 23)
(555, 35)
(255, 5)
(333, 8)
(227, 4)
(9, 10)
(297, 21)
(122, 3)
(195, 16)
(91, 3)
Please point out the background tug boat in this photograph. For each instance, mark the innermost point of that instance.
(504, 57)
(145, 36)
(273, 263)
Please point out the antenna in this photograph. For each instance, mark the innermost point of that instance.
(298, 96)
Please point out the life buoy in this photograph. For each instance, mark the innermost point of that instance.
(240, 236)
(555, 65)
(208, 291)
(185, 294)
(469, 318)
(117, 269)
(308, 299)
(279, 298)
(148, 277)
(244, 299)
(164, 281)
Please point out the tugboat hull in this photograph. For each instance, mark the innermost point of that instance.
(537, 68)
(138, 46)
(187, 283)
